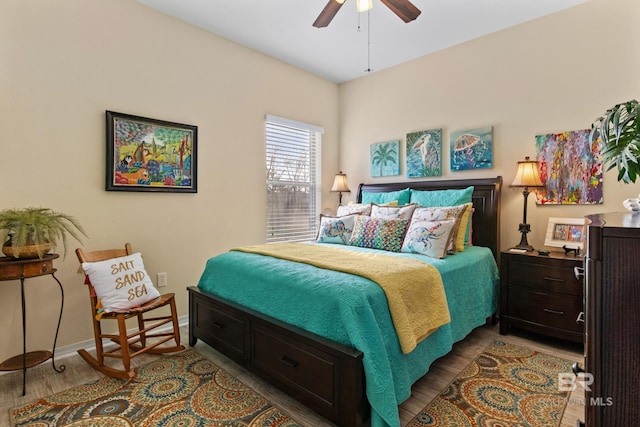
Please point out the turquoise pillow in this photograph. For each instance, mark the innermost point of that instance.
(378, 233)
(401, 196)
(442, 198)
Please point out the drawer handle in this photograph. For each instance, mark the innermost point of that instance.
(580, 317)
(578, 272)
(289, 362)
(218, 325)
(548, 310)
(553, 279)
(577, 370)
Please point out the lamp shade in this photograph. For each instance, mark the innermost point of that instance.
(527, 174)
(340, 183)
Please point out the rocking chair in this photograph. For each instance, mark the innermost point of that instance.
(134, 343)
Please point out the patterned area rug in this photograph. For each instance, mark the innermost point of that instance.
(507, 385)
(179, 390)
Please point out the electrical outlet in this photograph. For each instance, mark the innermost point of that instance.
(162, 280)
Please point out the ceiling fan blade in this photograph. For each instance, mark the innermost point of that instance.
(328, 13)
(403, 8)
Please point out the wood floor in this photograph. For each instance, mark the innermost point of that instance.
(43, 381)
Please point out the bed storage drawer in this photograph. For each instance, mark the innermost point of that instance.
(326, 376)
(305, 369)
(221, 327)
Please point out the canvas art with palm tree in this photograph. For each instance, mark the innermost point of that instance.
(385, 158)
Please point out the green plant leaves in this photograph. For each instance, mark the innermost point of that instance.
(619, 129)
(38, 225)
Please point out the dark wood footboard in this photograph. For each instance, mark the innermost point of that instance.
(323, 375)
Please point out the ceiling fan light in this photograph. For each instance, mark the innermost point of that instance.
(364, 5)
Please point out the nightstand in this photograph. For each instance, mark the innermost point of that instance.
(542, 294)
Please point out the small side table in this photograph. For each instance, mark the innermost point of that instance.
(22, 269)
(542, 294)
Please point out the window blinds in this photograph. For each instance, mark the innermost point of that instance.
(293, 179)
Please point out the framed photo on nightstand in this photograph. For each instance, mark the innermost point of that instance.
(565, 233)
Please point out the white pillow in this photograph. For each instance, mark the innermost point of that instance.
(392, 212)
(354, 208)
(121, 283)
(430, 238)
(445, 213)
(336, 229)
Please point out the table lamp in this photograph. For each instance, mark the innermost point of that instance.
(527, 177)
(340, 185)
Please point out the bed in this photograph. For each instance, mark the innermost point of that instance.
(339, 361)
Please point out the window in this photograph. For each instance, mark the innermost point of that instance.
(293, 180)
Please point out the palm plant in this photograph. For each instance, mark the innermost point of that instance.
(36, 226)
(619, 128)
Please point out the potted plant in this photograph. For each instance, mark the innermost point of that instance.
(619, 128)
(33, 232)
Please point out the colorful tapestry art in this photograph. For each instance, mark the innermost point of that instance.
(570, 167)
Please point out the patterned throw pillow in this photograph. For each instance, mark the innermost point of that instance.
(378, 233)
(354, 208)
(392, 212)
(121, 283)
(444, 213)
(335, 229)
(430, 238)
(449, 198)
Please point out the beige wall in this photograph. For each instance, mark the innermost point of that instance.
(554, 74)
(62, 64)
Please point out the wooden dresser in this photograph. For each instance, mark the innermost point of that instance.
(542, 294)
(612, 349)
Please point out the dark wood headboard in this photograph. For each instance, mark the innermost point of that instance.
(485, 198)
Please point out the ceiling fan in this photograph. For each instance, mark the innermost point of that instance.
(403, 8)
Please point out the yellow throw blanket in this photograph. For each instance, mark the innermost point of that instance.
(414, 289)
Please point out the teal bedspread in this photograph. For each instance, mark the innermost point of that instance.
(317, 300)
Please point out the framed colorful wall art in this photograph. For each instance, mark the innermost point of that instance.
(150, 155)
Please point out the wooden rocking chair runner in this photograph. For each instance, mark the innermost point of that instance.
(129, 345)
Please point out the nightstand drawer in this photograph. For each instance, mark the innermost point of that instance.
(544, 278)
(556, 311)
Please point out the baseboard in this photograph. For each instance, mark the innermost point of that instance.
(89, 345)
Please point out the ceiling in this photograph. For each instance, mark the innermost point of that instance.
(340, 52)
